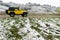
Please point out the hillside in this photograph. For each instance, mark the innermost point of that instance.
(30, 7)
(30, 29)
(58, 9)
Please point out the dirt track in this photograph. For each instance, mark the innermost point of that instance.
(33, 15)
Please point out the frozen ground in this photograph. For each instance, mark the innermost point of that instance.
(30, 29)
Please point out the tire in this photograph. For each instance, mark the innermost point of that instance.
(24, 14)
(12, 14)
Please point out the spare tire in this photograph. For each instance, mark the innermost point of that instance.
(6, 11)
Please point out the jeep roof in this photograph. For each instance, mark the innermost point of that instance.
(13, 8)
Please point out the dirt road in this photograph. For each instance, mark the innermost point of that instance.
(33, 15)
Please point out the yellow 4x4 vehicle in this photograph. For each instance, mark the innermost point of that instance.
(12, 11)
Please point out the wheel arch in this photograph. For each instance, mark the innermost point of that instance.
(11, 12)
(25, 12)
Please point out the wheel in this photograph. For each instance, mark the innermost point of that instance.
(12, 14)
(24, 14)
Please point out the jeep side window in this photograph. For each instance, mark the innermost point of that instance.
(11, 9)
(16, 9)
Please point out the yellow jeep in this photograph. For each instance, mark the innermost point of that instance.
(12, 11)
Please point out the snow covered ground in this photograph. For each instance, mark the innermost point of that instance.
(3, 8)
(30, 7)
(30, 29)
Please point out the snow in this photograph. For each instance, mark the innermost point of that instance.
(31, 8)
(12, 22)
(42, 23)
(3, 7)
(56, 39)
(2, 10)
(27, 32)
